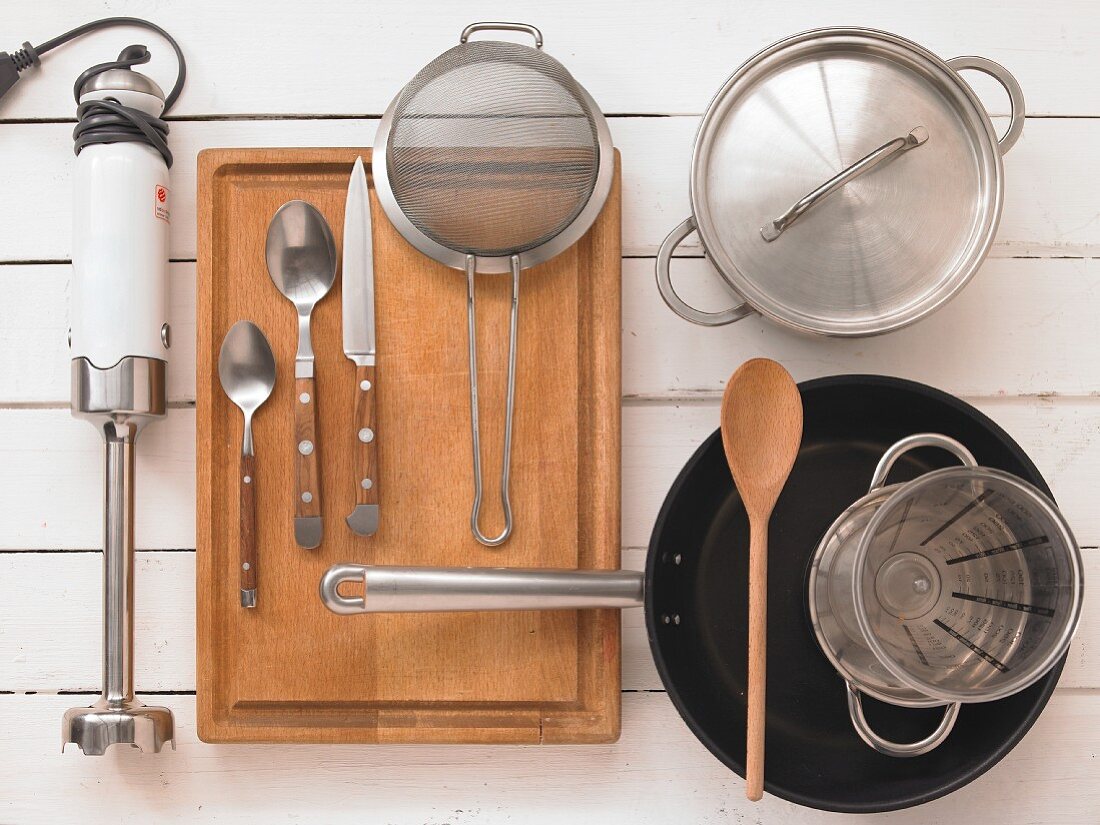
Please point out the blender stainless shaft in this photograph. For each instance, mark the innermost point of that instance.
(118, 567)
(119, 401)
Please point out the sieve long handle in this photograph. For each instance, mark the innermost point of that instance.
(913, 442)
(475, 426)
(501, 26)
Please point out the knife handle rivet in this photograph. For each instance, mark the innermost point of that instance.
(364, 385)
(304, 398)
(246, 566)
(248, 479)
(307, 496)
(305, 447)
(366, 435)
(366, 483)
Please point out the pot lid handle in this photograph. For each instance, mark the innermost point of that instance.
(917, 136)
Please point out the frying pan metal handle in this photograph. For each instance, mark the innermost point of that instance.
(913, 442)
(1010, 84)
(445, 589)
(499, 26)
(921, 746)
(674, 301)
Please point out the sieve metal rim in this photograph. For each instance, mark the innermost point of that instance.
(1046, 505)
(605, 170)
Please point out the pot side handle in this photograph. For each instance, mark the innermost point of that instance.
(918, 748)
(912, 442)
(668, 293)
(1010, 84)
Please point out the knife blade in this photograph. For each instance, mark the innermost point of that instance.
(360, 347)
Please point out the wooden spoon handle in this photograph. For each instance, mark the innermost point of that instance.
(248, 531)
(758, 641)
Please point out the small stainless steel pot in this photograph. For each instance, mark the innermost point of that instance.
(845, 182)
(963, 585)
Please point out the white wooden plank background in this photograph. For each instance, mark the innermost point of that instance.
(1019, 344)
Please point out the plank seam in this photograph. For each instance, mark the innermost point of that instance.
(206, 117)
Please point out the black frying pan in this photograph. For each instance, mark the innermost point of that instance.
(812, 755)
(695, 595)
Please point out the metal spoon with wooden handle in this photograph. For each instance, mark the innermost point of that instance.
(246, 368)
(301, 260)
(761, 433)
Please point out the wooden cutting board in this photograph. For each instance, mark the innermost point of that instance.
(291, 671)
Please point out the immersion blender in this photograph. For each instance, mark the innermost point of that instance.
(119, 336)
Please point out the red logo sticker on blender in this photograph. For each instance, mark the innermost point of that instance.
(160, 203)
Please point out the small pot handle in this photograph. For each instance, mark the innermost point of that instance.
(1015, 94)
(675, 303)
(886, 463)
(918, 748)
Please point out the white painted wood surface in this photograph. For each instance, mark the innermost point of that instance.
(1019, 344)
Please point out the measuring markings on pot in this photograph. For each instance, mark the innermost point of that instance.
(1024, 608)
(993, 660)
(993, 551)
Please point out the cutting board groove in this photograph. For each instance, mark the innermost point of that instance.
(291, 671)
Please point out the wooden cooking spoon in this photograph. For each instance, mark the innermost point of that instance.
(761, 433)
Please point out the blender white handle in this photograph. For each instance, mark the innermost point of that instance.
(921, 746)
(913, 442)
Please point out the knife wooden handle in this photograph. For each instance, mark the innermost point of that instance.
(248, 529)
(365, 450)
(308, 491)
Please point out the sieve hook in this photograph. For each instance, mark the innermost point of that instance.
(506, 464)
(499, 26)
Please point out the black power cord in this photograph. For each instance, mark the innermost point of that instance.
(105, 121)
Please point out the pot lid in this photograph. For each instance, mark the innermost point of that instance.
(847, 181)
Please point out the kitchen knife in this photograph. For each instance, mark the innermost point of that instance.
(360, 347)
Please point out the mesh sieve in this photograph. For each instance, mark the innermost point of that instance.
(494, 149)
(493, 159)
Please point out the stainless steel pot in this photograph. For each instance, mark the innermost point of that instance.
(845, 182)
(963, 585)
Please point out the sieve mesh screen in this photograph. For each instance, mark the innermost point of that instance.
(494, 150)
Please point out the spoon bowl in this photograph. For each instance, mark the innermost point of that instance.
(246, 368)
(761, 431)
(301, 254)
